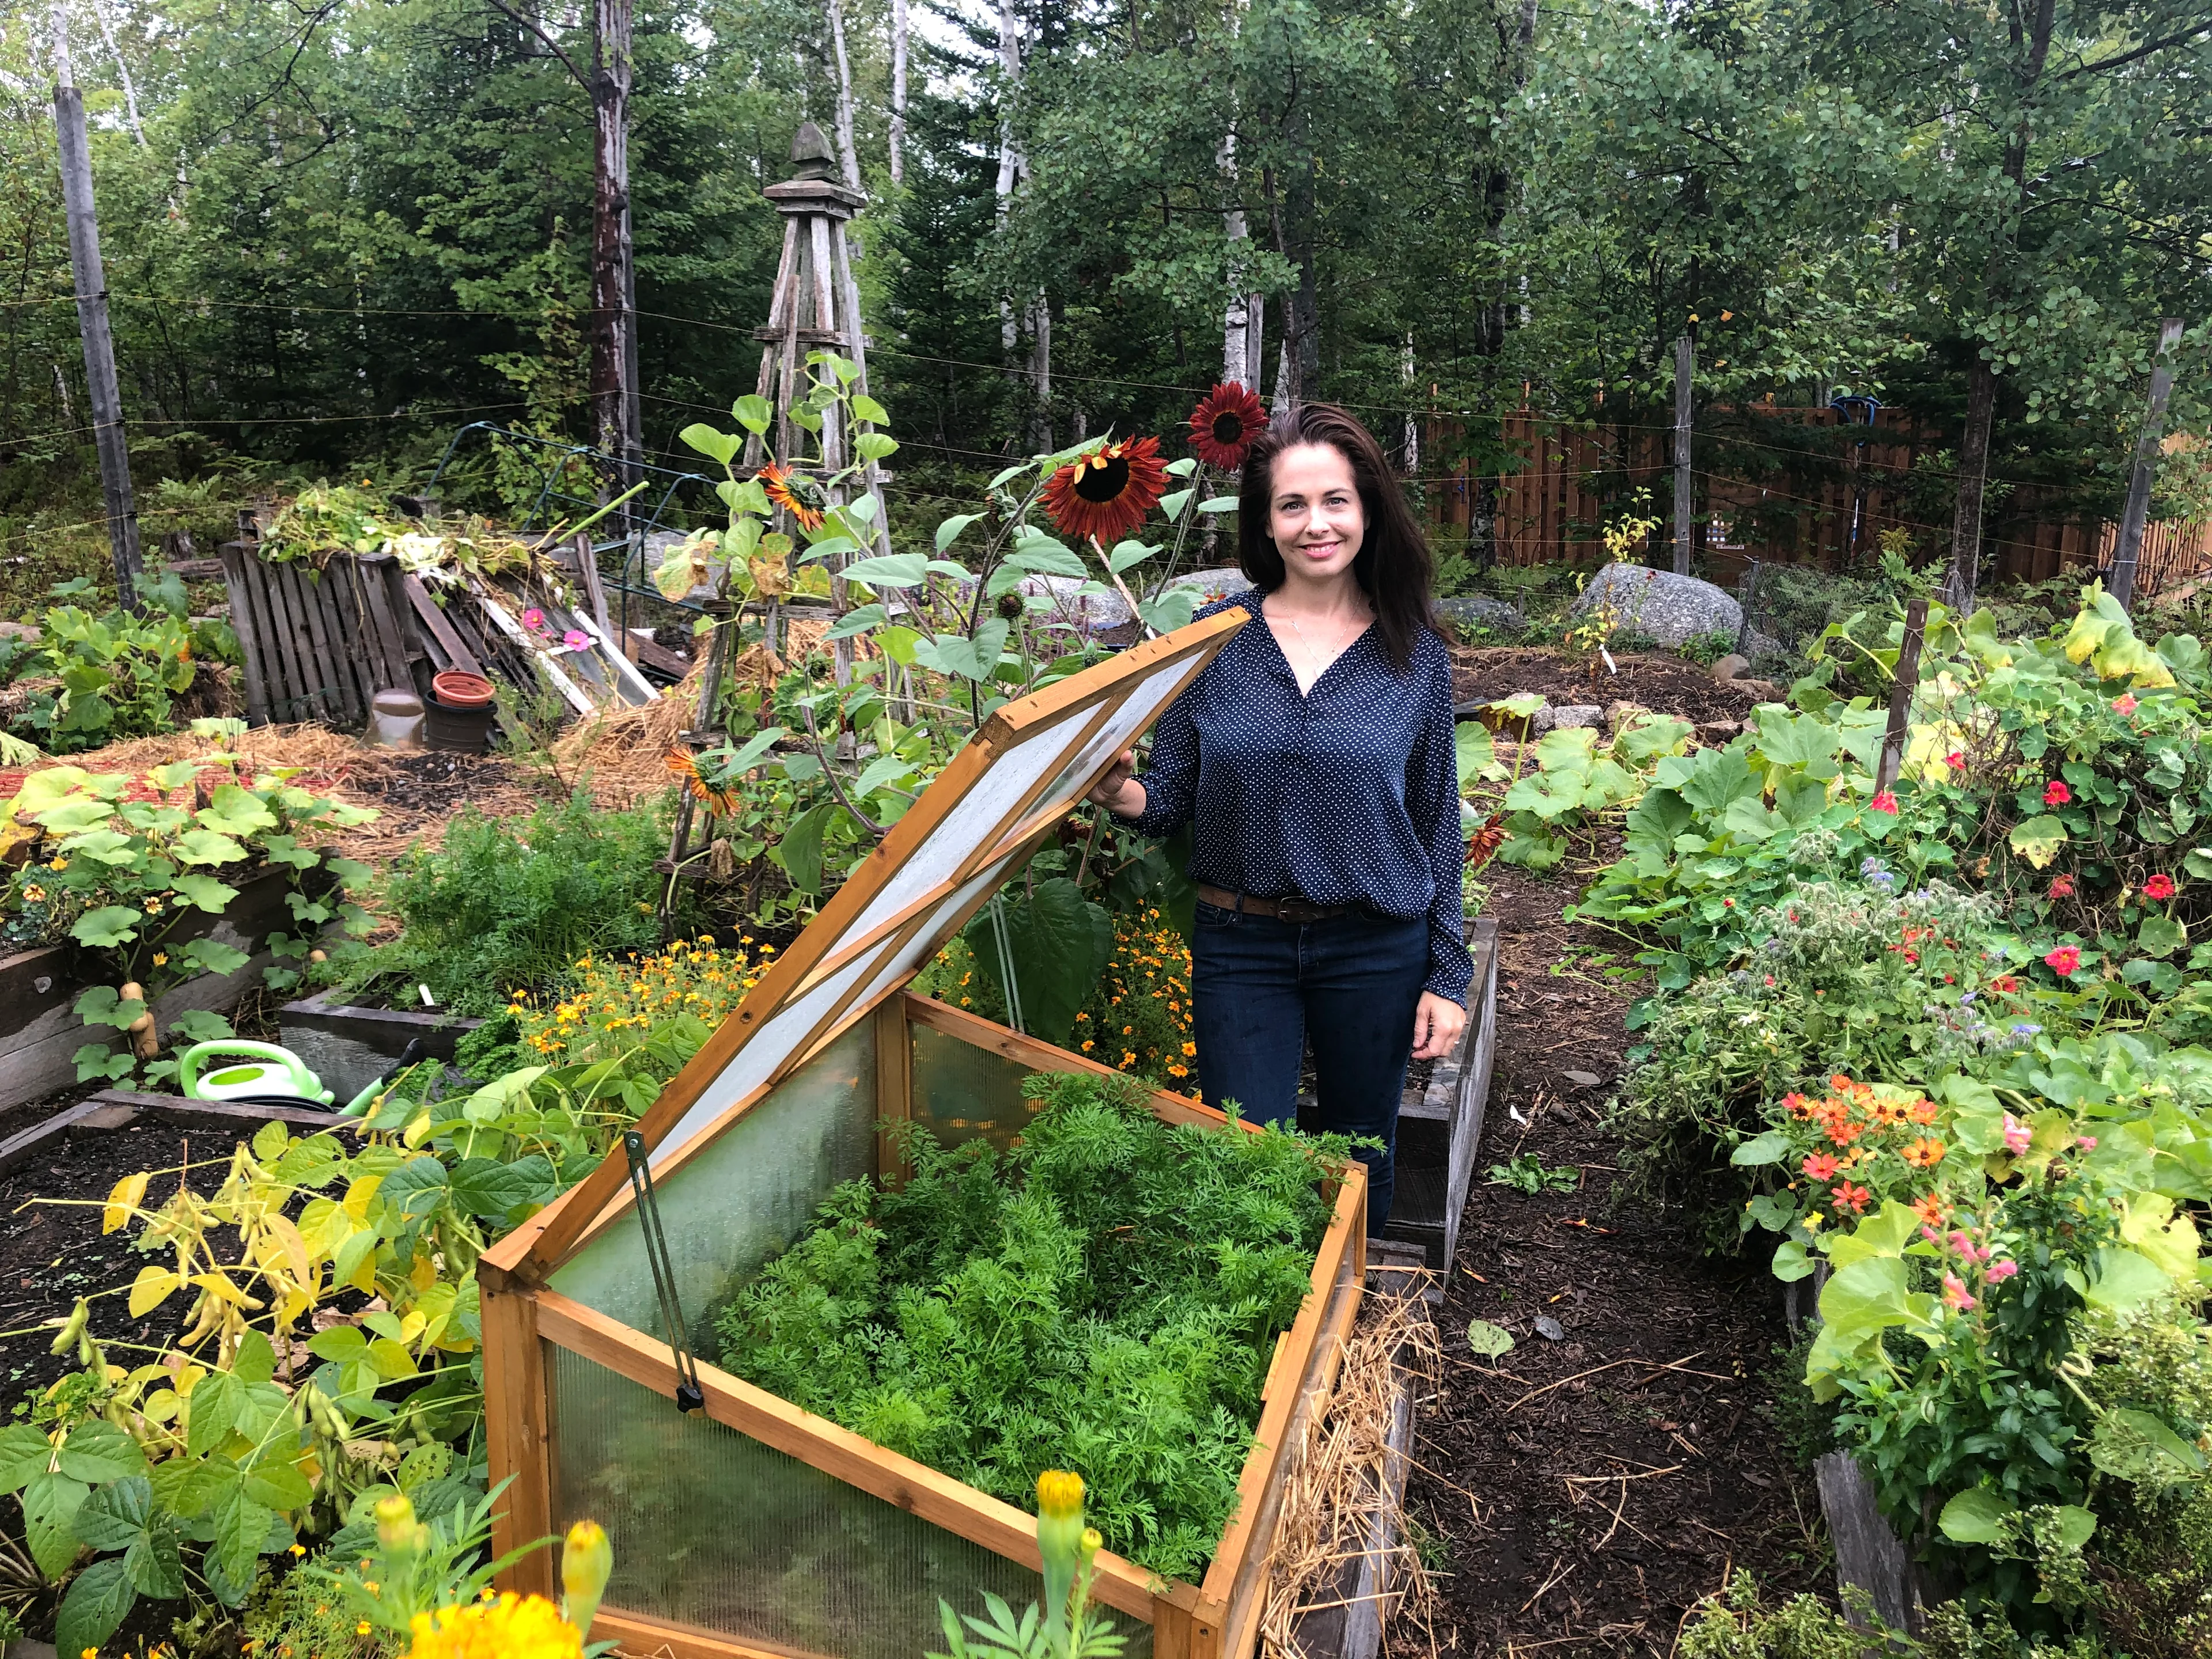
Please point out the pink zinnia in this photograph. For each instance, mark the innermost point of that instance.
(1955, 1293)
(2063, 961)
(2159, 887)
(2001, 1270)
(576, 639)
(1885, 802)
(2124, 703)
(2056, 793)
(2016, 1134)
(1821, 1166)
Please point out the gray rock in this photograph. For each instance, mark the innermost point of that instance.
(1668, 607)
(1550, 1329)
(1763, 647)
(1221, 581)
(1718, 734)
(1583, 1080)
(1090, 612)
(1481, 610)
(27, 632)
(1575, 714)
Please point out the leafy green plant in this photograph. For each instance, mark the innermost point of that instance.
(1528, 1173)
(1708, 647)
(1107, 1292)
(95, 679)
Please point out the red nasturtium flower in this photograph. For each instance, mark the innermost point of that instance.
(2056, 793)
(1956, 760)
(2005, 984)
(1885, 802)
(1107, 492)
(2063, 961)
(1224, 424)
(2062, 887)
(2125, 704)
(2159, 887)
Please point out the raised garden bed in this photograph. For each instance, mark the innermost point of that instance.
(1438, 1135)
(349, 1046)
(40, 1031)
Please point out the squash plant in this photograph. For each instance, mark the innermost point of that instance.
(124, 864)
(265, 1414)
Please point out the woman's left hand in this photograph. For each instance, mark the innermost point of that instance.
(1437, 1023)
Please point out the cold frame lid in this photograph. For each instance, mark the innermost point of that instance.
(968, 831)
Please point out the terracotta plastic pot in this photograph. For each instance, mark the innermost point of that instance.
(458, 691)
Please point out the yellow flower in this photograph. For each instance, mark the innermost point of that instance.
(161, 959)
(1189, 1049)
(57, 864)
(511, 1627)
(34, 892)
(299, 1549)
(1059, 1494)
(153, 907)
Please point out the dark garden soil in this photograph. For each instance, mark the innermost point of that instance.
(1591, 1485)
(1669, 685)
(437, 782)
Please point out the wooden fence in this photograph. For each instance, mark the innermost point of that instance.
(1550, 509)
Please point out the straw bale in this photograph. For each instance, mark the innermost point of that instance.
(618, 750)
(1338, 1490)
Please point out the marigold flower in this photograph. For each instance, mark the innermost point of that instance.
(511, 1627)
(2159, 887)
(2056, 793)
(2063, 961)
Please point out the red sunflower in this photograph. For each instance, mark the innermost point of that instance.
(683, 765)
(1224, 424)
(800, 497)
(1107, 492)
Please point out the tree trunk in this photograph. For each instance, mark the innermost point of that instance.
(848, 155)
(1010, 155)
(1236, 315)
(898, 92)
(614, 281)
(1973, 474)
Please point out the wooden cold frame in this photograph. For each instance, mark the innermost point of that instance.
(1217, 1619)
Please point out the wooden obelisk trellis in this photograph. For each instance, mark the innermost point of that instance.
(816, 306)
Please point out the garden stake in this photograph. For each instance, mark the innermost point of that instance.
(1006, 962)
(1900, 696)
(688, 1396)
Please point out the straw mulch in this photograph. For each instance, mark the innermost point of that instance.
(1342, 1492)
(620, 751)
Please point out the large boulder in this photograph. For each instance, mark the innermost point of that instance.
(1668, 607)
(1217, 582)
(1480, 611)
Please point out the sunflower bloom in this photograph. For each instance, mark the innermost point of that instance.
(800, 497)
(1107, 492)
(1224, 424)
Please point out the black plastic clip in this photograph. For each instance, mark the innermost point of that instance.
(690, 1397)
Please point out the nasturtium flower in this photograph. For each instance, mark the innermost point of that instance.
(2063, 961)
(2159, 887)
(1224, 424)
(2056, 793)
(2125, 704)
(1886, 801)
(2062, 887)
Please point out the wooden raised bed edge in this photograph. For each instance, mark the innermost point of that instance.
(39, 1031)
(115, 1108)
(1443, 1129)
(350, 1047)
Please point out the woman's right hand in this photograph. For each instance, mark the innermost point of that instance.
(1119, 791)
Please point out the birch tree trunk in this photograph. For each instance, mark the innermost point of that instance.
(848, 155)
(898, 92)
(614, 280)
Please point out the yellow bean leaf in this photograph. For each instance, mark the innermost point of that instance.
(151, 1289)
(122, 1198)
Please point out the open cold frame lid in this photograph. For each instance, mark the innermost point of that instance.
(971, 830)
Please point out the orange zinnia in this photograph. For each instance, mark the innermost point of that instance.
(1923, 1153)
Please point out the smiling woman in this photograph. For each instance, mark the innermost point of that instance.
(1314, 760)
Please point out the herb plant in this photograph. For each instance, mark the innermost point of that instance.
(1106, 1295)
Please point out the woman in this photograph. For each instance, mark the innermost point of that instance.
(1314, 760)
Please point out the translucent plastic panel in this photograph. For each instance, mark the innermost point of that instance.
(755, 1063)
(969, 826)
(962, 1092)
(740, 1199)
(711, 1528)
(1120, 729)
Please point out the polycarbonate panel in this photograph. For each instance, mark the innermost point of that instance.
(1120, 729)
(712, 1528)
(741, 1200)
(962, 1093)
(755, 1063)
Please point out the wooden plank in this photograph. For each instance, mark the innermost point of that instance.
(821, 1444)
(1056, 701)
(352, 638)
(264, 621)
(316, 674)
(286, 702)
(249, 642)
(323, 594)
(588, 566)
(642, 1637)
(435, 627)
(1347, 1231)
(516, 1412)
(1040, 1056)
(222, 1116)
(378, 579)
(894, 1086)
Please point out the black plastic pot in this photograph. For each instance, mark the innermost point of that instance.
(459, 731)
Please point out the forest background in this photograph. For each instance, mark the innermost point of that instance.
(336, 230)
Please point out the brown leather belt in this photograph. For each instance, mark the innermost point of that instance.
(1281, 909)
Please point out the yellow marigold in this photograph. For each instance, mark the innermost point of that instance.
(1059, 1494)
(512, 1627)
(1189, 1049)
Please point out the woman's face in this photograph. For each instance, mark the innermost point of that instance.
(1314, 512)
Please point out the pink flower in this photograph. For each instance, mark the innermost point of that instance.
(2086, 1143)
(2016, 1134)
(576, 639)
(1821, 1166)
(533, 619)
(2001, 1270)
(1955, 1293)
(2125, 704)
(1885, 802)
(2063, 961)
(1956, 761)
(2159, 887)
(2056, 793)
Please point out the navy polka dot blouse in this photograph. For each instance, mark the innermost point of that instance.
(1346, 795)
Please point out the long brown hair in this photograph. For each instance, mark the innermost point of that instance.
(1393, 567)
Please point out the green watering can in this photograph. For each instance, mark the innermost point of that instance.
(263, 1074)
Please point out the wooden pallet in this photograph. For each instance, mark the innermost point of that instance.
(319, 645)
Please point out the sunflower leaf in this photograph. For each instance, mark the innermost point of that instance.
(1218, 504)
(1182, 468)
(1127, 553)
(949, 532)
(1173, 504)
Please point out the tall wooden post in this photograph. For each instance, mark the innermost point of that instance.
(619, 428)
(1685, 360)
(1907, 682)
(2146, 469)
(92, 322)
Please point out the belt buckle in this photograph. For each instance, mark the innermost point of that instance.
(1298, 910)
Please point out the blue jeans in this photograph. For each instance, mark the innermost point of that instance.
(1259, 986)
